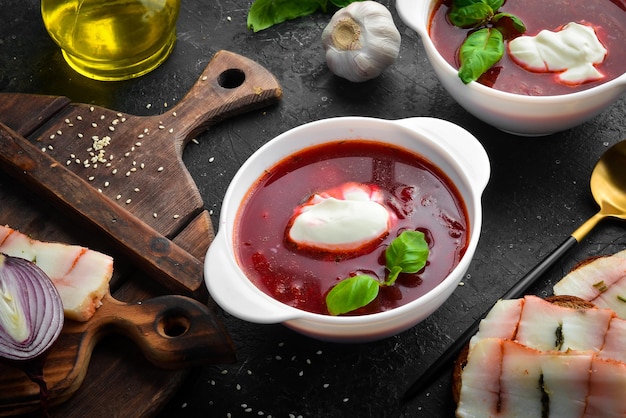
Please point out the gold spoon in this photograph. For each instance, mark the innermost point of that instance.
(608, 187)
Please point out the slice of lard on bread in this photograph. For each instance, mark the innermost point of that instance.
(559, 356)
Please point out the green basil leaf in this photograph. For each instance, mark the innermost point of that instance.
(479, 52)
(406, 254)
(266, 13)
(352, 293)
(508, 20)
(495, 4)
(472, 15)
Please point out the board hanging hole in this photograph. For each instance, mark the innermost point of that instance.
(173, 323)
(231, 79)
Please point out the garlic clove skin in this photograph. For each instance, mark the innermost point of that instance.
(361, 41)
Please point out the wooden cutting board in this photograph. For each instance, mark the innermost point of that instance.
(136, 162)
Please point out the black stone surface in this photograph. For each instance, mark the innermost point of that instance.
(538, 194)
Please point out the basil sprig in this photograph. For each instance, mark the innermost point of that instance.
(266, 13)
(406, 254)
(484, 46)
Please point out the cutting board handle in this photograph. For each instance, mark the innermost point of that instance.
(172, 331)
(230, 84)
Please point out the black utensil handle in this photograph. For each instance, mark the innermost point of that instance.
(516, 291)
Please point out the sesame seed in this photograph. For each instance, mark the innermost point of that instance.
(154, 215)
(91, 108)
(128, 201)
(195, 141)
(52, 136)
(79, 117)
(149, 105)
(176, 216)
(160, 169)
(142, 166)
(132, 170)
(204, 78)
(114, 171)
(118, 197)
(50, 147)
(146, 130)
(123, 120)
(140, 136)
(111, 128)
(94, 124)
(174, 114)
(137, 144)
(101, 117)
(80, 135)
(106, 184)
(115, 121)
(77, 161)
(211, 159)
(127, 173)
(59, 133)
(171, 130)
(91, 178)
(68, 162)
(43, 149)
(161, 127)
(126, 154)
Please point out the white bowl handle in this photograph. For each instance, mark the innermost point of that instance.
(463, 146)
(234, 292)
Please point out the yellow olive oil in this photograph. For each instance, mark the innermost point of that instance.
(112, 39)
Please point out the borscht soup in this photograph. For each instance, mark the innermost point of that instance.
(607, 18)
(329, 212)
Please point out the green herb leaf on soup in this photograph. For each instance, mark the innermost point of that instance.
(351, 294)
(470, 16)
(406, 254)
(480, 51)
(484, 47)
(504, 20)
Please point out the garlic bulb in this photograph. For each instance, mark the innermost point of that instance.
(361, 41)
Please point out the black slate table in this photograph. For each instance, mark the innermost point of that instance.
(538, 194)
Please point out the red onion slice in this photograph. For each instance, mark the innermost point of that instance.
(31, 311)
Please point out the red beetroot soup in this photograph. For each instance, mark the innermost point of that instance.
(421, 196)
(607, 17)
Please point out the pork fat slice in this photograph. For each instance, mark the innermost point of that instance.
(504, 378)
(80, 275)
(601, 282)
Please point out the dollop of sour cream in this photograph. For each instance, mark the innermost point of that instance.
(571, 52)
(341, 220)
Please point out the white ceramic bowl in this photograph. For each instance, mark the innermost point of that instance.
(446, 145)
(518, 114)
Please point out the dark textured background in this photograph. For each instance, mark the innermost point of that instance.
(538, 194)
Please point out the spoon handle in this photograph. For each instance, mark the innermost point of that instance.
(447, 358)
